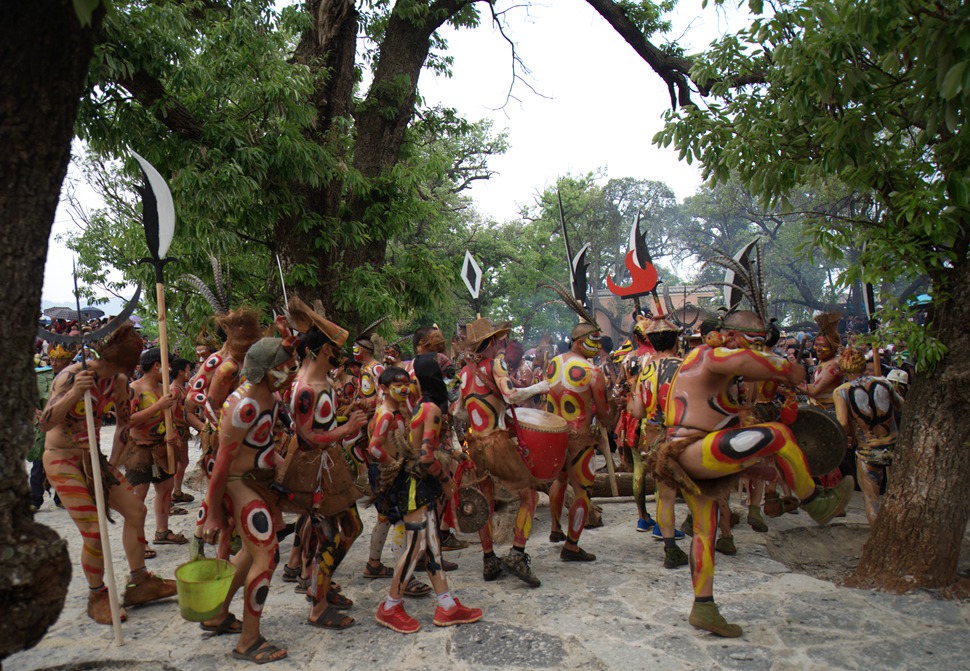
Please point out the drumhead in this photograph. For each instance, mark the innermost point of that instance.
(821, 439)
(539, 420)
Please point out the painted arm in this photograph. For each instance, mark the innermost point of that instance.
(383, 423)
(122, 395)
(425, 437)
(643, 400)
(223, 381)
(754, 366)
(842, 412)
(304, 405)
(231, 436)
(68, 389)
(598, 390)
(511, 395)
(827, 378)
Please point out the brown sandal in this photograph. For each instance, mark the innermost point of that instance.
(332, 619)
(339, 601)
(416, 588)
(169, 537)
(379, 571)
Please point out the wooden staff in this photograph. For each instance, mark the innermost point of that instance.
(94, 450)
(163, 346)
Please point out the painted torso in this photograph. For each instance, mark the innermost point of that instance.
(144, 396)
(105, 395)
(570, 377)
(870, 403)
(208, 390)
(654, 385)
(825, 379)
(258, 421)
(486, 409)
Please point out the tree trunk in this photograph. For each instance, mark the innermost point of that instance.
(381, 121)
(915, 542)
(44, 56)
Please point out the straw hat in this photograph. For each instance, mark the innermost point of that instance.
(302, 316)
(661, 325)
(481, 330)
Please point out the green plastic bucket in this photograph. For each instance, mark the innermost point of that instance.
(202, 587)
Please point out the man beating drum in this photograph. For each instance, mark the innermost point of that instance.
(487, 391)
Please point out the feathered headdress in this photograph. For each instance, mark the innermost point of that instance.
(587, 322)
(364, 338)
(218, 296)
(745, 277)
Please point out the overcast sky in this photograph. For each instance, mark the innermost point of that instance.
(599, 107)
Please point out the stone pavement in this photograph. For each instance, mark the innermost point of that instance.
(622, 612)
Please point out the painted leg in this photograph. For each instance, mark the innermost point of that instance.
(557, 497)
(581, 478)
(704, 613)
(528, 500)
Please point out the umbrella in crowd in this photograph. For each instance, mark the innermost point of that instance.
(91, 313)
(61, 313)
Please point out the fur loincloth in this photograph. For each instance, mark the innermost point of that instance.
(664, 462)
(497, 454)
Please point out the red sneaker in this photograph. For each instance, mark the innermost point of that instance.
(457, 615)
(397, 619)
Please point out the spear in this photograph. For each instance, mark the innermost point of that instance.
(869, 301)
(158, 215)
(471, 275)
(94, 449)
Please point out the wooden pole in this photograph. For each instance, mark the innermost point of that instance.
(163, 346)
(109, 571)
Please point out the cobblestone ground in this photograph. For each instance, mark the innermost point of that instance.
(624, 611)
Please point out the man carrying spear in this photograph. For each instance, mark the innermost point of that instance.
(67, 461)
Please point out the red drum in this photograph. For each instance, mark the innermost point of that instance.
(544, 435)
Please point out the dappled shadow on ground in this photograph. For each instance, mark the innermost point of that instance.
(832, 552)
(827, 553)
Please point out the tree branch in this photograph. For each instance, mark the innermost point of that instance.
(147, 90)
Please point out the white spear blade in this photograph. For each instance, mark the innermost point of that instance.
(166, 206)
(471, 274)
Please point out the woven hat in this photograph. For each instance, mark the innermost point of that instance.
(481, 330)
(661, 325)
(266, 354)
(303, 317)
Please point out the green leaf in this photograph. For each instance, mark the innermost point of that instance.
(953, 81)
(85, 10)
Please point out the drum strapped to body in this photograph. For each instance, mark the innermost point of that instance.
(544, 437)
(821, 439)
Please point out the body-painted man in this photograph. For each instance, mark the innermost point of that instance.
(239, 488)
(180, 375)
(648, 402)
(324, 540)
(629, 427)
(208, 390)
(866, 406)
(146, 459)
(577, 393)
(705, 442)
(67, 461)
(420, 483)
(487, 392)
